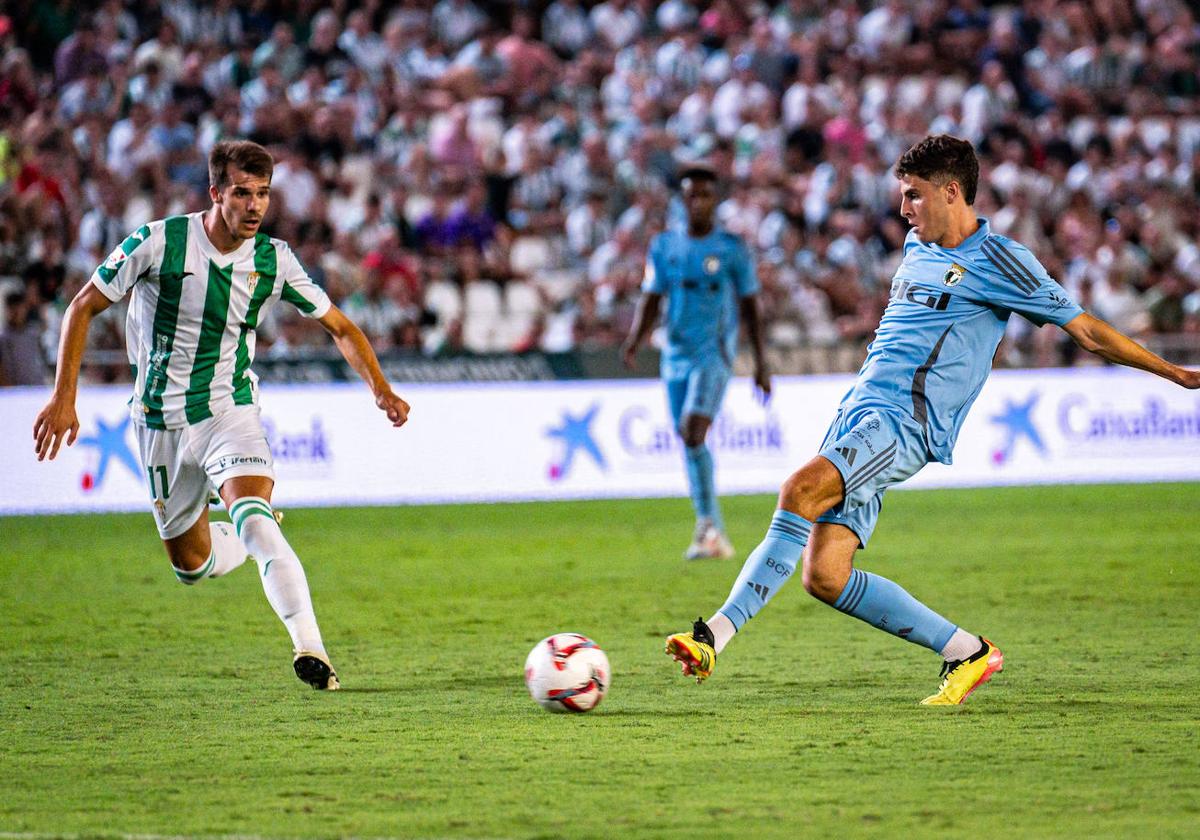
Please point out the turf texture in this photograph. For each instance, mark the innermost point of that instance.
(132, 705)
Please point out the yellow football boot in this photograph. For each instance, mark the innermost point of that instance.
(694, 651)
(963, 676)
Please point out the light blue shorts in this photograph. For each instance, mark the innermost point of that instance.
(700, 391)
(872, 449)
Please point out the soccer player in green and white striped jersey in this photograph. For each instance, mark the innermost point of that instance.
(200, 284)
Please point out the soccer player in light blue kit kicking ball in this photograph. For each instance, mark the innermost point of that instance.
(707, 278)
(951, 298)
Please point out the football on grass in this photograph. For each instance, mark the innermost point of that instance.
(567, 672)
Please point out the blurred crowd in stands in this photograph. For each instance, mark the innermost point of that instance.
(485, 177)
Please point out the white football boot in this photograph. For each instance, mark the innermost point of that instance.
(709, 543)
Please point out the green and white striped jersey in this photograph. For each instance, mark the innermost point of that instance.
(191, 325)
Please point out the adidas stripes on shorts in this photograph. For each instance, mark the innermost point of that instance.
(872, 449)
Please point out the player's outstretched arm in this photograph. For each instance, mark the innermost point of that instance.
(1104, 340)
(356, 350)
(57, 421)
(644, 320)
(753, 322)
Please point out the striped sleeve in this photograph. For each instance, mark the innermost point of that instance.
(1018, 282)
(128, 263)
(298, 288)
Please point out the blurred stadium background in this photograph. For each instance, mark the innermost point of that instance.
(476, 183)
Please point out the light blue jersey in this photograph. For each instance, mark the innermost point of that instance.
(949, 307)
(702, 280)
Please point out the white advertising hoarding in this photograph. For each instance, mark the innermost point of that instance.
(588, 439)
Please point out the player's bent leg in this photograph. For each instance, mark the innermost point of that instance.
(767, 568)
(812, 489)
(206, 550)
(828, 561)
(191, 552)
(282, 575)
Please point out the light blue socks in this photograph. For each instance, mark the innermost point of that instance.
(868, 597)
(700, 482)
(883, 604)
(768, 567)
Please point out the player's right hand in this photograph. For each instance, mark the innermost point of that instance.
(54, 424)
(395, 408)
(1190, 379)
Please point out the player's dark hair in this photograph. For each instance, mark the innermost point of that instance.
(941, 159)
(245, 155)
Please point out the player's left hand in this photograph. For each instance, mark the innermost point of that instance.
(395, 408)
(1190, 379)
(762, 384)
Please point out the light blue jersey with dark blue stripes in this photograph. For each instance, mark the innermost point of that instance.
(948, 310)
(702, 279)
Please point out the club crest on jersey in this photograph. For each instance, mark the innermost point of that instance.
(953, 275)
(712, 264)
(252, 280)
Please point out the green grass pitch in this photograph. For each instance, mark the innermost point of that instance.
(131, 705)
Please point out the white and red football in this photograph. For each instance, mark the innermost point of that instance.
(567, 672)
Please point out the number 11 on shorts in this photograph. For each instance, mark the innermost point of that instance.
(162, 480)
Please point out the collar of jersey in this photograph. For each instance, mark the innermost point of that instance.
(210, 250)
(971, 242)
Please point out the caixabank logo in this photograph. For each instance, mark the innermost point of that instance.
(1017, 426)
(1151, 424)
(644, 441)
(303, 449)
(574, 435)
(105, 443)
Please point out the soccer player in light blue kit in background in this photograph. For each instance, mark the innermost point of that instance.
(708, 280)
(951, 298)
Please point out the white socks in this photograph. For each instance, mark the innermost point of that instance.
(283, 578)
(961, 645)
(227, 550)
(722, 629)
(227, 554)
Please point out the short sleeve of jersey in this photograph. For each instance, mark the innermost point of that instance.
(744, 276)
(298, 288)
(654, 281)
(129, 262)
(1016, 281)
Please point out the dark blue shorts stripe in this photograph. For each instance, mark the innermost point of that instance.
(859, 482)
(871, 469)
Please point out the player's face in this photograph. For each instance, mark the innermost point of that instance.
(925, 206)
(700, 199)
(243, 202)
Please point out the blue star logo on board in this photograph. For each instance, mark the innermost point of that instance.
(109, 442)
(1016, 420)
(575, 432)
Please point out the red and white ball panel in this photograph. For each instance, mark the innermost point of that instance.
(567, 672)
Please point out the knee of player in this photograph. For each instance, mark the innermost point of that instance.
(800, 495)
(692, 438)
(812, 489)
(820, 584)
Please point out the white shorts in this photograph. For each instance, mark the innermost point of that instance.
(183, 464)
